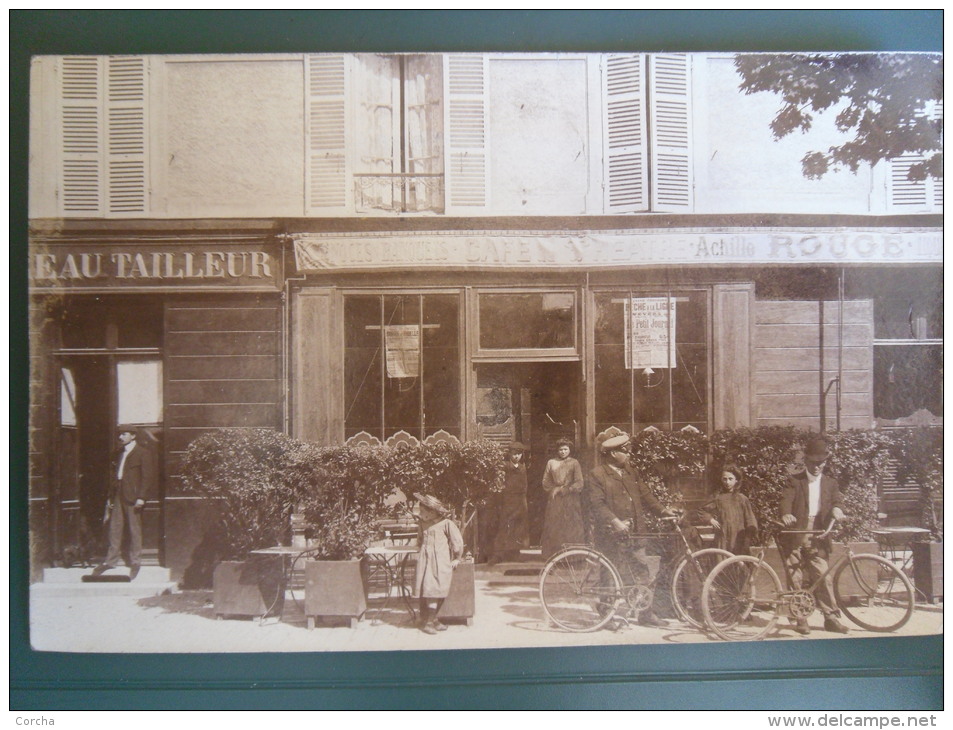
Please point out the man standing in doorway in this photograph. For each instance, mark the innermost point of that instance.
(134, 475)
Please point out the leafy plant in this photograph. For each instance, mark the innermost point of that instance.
(919, 456)
(241, 473)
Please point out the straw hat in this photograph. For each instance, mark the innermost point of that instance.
(432, 503)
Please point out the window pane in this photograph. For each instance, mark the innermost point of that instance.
(67, 398)
(441, 358)
(402, 372)
(140, 391)
(139, 325)
(523, 321)
(906, 379)
(362, 365)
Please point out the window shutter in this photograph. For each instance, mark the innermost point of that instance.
(126, 134)
(325, 130)
(467, 139)
(670, 117)
(625, 168)
(914, 196)
(81, 169)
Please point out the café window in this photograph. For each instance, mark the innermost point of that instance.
(528, 324)
(908, 342)
(651, 359)
(402, 364)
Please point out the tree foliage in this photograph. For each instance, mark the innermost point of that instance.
(890, 104)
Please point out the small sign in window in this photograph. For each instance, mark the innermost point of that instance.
(649, 333)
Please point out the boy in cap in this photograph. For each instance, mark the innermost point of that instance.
(617, 499)
(441, 547)
(809, 501)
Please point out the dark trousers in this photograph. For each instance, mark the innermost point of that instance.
(806, 563)
(121, 515)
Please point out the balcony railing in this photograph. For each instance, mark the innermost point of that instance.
(399, 192)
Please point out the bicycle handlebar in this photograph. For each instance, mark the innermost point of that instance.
(815, 533)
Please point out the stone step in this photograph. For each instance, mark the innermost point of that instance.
(147, 574)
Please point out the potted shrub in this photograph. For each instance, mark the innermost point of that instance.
(240, 474)
(341, 494)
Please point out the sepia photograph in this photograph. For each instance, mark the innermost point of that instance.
(372, 352)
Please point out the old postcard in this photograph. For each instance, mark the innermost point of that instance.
(376, 351)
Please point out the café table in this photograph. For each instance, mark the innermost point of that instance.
(392, 564)
(289, 555)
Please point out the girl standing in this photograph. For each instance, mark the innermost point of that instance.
(564, 522)
(441, 546)
(731, 515)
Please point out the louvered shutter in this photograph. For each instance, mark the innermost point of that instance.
(126, 134)
(325, 129)
(669, 120)
(81, 160)
(625, 168)
(467, 166)
(903, 194)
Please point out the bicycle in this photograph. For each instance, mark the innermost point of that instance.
(582, 590)
(742, 598)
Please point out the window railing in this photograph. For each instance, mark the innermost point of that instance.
(399, 192)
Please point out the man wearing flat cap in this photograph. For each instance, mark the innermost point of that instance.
(809, 501)
(618, 498)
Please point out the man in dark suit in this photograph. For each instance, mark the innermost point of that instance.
(135, 476)
(618, 499)
(809, 501)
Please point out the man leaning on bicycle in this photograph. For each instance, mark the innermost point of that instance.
(809, 501)
(617, 500)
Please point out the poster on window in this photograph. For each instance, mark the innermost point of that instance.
(402, 344)
(649, 333)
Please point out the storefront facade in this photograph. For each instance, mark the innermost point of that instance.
(388, 248)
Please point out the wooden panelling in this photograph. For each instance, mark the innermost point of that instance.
(246, 415)
(797, 381)
(222, 319)
(807, 359)
(223, 367)
(797, 357)
(222, 391)
(732, 318)
(223, 343)
(222, 370)
(852, 404)
(318, 366)
(787, 312)
(808, 335)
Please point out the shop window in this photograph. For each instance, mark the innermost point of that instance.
(99, 324)
(651, 360)
(544, 321)
(908, 344)
(402, 364)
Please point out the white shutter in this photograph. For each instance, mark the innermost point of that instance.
(81, 124)
(467, 146)
(325, 130)
(625, 169)
(914, 196)
(669, 120)
(126, 134)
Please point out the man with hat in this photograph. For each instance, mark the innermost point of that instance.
(135, 477)
(809, 501)
(618, 498)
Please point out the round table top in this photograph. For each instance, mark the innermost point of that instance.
(900, 531)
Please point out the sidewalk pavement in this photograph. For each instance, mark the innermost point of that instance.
(508, 615)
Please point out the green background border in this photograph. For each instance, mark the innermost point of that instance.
(870, 674)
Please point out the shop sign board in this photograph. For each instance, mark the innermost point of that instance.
(595, 249)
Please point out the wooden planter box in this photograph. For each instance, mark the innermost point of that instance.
(248, 588)
(460, 602)
(928, 569)
(773, 558)
(335, 589)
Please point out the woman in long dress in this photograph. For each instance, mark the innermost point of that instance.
(564, 522)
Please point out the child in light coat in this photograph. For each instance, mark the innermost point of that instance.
(441, 547)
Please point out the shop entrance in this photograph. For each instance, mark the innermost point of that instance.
(535, 403)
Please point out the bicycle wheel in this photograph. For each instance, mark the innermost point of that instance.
(741, 599)
(580, 589)
(688, 578)
(873, 593)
